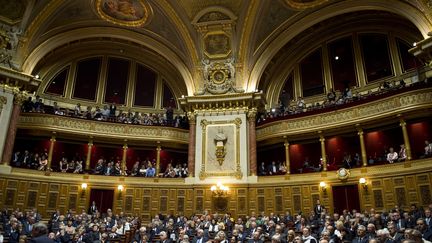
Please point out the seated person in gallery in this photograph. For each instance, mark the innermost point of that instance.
(169, 171)
(78, 167)
(331, 96)
(71, 166)
(392, 156)
(109, 169)
(35, 161)
(428, 149)
(300, 103)
(43, 163)
(142, 170)
(357, 159)
(283, 168)
(135, 169)
(151, 171)
(117, 169)
(347, 161)
(64, 166)
(402, 153)
(273, 168)
(16, 159)
(184, 170)
(262, 171)
(77, 110)
(99, 168)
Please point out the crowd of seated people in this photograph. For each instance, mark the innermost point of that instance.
(369, 226)
(109, 113)
(111, 167)
(26, 159)
(285, 107)
(389, 156)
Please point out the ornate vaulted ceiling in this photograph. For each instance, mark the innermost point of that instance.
(176, 31)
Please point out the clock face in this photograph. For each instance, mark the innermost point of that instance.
(343, 173)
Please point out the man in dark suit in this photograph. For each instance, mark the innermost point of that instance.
(93, 208)
(318, 209)
(164, 237)
(361, 235)
(199, 238)
(255, 238)
(40, 234)
(394, 234)
(423, 228)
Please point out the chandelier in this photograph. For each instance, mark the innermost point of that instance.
(219, 190)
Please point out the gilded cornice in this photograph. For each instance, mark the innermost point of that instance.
(102, 129)
(367, 112)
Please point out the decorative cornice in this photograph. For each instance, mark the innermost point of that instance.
(77, 126)
(370, 111)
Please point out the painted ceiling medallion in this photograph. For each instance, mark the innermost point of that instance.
(304, 4)
(130, 13)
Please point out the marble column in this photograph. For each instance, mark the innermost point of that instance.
(406, 138)
(362, 146)
(19, 98)
(123, 162)
(323, 152)
(158, 150)
(287, 155)
(51, 150)
(89, 152)
(191, 146)
(252, 142)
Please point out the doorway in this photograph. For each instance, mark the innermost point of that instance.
(345, 197)
(103, 198)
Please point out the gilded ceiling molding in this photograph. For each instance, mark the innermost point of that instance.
(302, 4)
(413, 14)
(93, 32)
(245, 40)
(134, 13)
(184, 31)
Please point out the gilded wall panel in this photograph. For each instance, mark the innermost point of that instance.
(242, 204)
(261, 204)
(388, 185)
(279, 204)
(52, 199)
(31, 199)
(199, 205)
(180, 204)
(400, 196)
(128, 203)
(378, 199)
(297, 203)
(425, 194)
(73, 202)
(146, 204)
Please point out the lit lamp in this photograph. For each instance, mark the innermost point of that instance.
(83, 189)
(323, 187)
(219, 190)
(363, 183)
(120, 189)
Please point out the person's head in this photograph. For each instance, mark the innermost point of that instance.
(325, 235)
(421, 225)
(391, 228)
(39, 229)
(361, 230)
(306, 231)
(298, 239)
(383, 234)
(416, 236)
(256, 235)
(291, 235)
(200, 233)
(163, 235)
(391, 150)
(371, 228)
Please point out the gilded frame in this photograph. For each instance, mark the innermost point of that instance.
(145, 7)
(237, 173)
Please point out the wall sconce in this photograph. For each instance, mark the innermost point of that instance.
(363, 183)
(120, 189)
(219, 190)
(83, 189)
(323, 187)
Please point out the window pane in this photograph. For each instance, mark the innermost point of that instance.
(376, 56)
(287, 92)
(116, 83)
(409, 62)
(342, 63)
(311, 74)
(168, 97)
(87, 78)
(145, 86)
(57, 84)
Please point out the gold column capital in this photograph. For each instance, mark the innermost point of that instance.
(191, 117)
